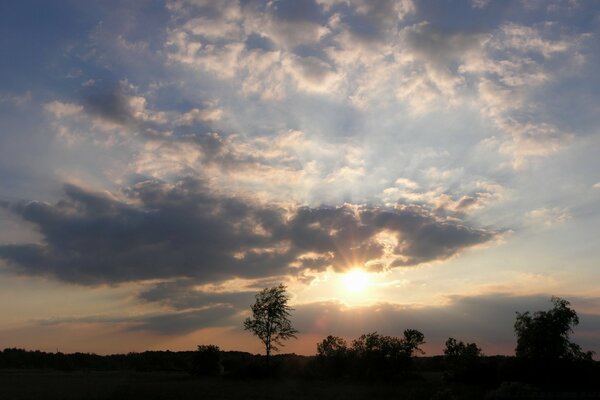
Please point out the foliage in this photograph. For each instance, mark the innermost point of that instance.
(544, 336)
(11, 358)
(389, 346)
(384, 357)
(332, 357)
(332, 346)
(462, 360)
(461, 350)
(412, 341)
(371, 356)
(270, 320)
(207, 361)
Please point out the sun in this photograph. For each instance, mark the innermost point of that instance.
(356, 281)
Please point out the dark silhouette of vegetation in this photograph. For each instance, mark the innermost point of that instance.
(270, 320)
(544, 336)
(207, 361)
(385, 357)
(147, 361)
(545, 354)
(462, 360)
(333, 357)
(371, 356)
(371, 366)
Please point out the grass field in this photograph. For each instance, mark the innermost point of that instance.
(37, 385)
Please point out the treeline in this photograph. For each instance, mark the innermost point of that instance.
(544, 357)
(370, 358)
(12, 358)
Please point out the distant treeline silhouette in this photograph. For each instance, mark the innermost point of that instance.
(545, 357)
(12, 358)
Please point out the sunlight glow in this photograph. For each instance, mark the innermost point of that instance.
(356, 281)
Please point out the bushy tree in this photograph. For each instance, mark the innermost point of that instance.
(461, 350)
(462, 360)
(379, 356)
(544, 335)
(412, 341)
(333, 356)
(332, 346)
(270, 320)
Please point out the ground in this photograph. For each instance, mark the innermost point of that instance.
(36, 385)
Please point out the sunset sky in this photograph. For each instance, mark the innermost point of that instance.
(432, 165)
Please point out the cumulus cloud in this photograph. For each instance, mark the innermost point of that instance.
(196, 115)
(466, 198)
(372, 54)
(184, 229)
(60, 109)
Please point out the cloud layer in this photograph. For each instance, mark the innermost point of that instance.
(161, 230)
(192, 152)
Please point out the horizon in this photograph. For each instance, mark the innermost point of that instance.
(400, 164)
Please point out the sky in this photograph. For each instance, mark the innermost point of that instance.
(406, 164)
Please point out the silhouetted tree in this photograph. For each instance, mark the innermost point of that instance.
(545, 334)
(333, 356)
(332, 346)
(461, 350)
(270, 319)
(412, 341)
(461, 360)
(378, 356)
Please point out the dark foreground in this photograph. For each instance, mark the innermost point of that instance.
(37, 385)
(18, 385)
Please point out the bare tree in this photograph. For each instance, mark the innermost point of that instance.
(270, 319)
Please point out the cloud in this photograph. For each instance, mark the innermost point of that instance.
(171, 323)
(312, 74)
(487, 319)
(60, 109)
(371, 20)
(185, 322)
(157, 230)
(549, 217)
(120, 105)
(186, 294)
(372, 55)
(15, 99)
(196, 115)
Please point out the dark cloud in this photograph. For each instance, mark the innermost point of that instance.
(182, 295)
(442, 48)
(109, 103)
(170, 323)
(163, 230)
(292, 10)
(186, 322)
(487, 319)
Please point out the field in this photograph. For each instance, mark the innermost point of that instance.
(54, 385)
